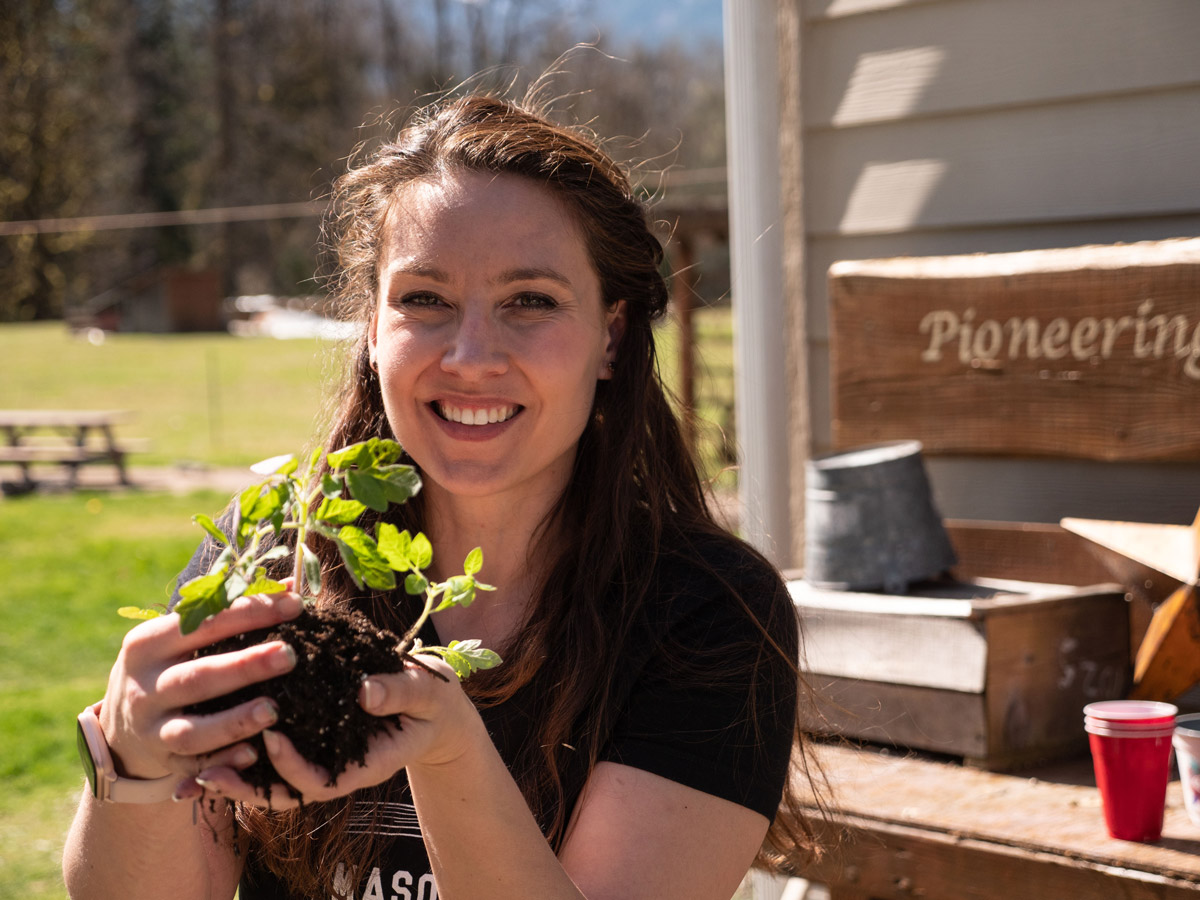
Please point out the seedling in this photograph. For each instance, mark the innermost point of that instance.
(362, 476)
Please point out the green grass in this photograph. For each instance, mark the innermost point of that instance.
(209, 398)
(68, 563)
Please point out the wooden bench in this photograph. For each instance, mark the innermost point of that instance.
(906, 826)
(67, 438)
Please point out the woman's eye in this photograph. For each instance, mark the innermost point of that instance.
(420, 298)
(534, 301)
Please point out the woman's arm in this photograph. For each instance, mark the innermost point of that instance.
(131, 851)
(634, 834)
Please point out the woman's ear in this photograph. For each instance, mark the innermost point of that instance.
(614, 324)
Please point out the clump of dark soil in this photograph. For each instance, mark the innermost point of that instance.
(318, 699)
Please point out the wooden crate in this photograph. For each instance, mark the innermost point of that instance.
(994, 671)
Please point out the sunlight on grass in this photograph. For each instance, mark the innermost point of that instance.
(69, 562)
(212, 398)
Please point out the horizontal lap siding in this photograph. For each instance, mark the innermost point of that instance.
(936, 127)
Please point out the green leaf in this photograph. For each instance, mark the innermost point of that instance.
(339, 512)
(399, 482)
(247, 499)
(269, 503)
(363, 559)
(277, 552)
(200, 598)
(221, 563)
(415, 584)
(276, 465)
(474, 561)
(235, 586)
(264, 585)
(384, 451)
(421, 552)
(460, 590)
(136, 612)
(394, 545)
(365, 488)
(354, 454)
(332, 485)
(312, 569)
(466, 657)
(211, 527)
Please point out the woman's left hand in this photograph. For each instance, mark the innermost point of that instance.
(437, 722)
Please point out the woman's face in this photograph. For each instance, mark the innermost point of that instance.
(489, 335)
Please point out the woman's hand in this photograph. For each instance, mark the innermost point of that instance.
(155, 678)
(437, 726)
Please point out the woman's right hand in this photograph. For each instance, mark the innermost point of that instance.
(155, 678)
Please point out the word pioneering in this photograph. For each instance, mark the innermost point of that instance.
(1155, 336)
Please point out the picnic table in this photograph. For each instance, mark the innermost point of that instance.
(69, 438)
(907, 826)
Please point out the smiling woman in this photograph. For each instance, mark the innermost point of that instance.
(490, 336)
(637, 740)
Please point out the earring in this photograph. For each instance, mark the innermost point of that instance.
(612, 366)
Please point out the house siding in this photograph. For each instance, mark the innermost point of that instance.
(934, 127)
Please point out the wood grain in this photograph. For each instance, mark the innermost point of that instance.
(1025, 353)
(910, 826)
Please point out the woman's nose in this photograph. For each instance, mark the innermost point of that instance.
(476, 348)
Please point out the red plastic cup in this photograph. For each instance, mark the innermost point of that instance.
(1131, 712)
(1132, 763)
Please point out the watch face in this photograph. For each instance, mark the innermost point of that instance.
(85, 755)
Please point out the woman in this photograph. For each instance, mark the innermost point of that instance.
(636, 740)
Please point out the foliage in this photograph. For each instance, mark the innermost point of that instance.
(109, 106)
(363, 476)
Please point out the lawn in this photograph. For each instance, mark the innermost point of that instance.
(68, 562)
(201, 398)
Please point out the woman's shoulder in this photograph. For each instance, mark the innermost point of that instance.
(707, 558)
(696, 569)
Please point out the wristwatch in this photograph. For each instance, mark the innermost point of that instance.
(102, 775)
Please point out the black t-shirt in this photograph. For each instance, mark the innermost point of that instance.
(678, 716)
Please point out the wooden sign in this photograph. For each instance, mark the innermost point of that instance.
(1088, 352)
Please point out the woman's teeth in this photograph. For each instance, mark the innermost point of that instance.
(476, 416)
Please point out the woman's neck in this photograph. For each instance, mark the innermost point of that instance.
(507, 531)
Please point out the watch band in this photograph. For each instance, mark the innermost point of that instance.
(106, 784)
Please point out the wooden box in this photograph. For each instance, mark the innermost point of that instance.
(994, 671)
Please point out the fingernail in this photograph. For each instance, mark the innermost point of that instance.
(284, 660)
(244, 756)
(207, 784)
(271, 739)
(372, 694)
(265, 713)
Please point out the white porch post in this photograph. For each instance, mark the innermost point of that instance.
(756, 263)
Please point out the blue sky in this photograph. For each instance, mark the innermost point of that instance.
(655, 20)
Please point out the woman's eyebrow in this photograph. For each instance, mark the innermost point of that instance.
(418, 269)
(532, 273)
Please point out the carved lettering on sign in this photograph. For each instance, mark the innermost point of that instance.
(1086, 338)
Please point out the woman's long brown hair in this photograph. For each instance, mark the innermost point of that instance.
(634, 490)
